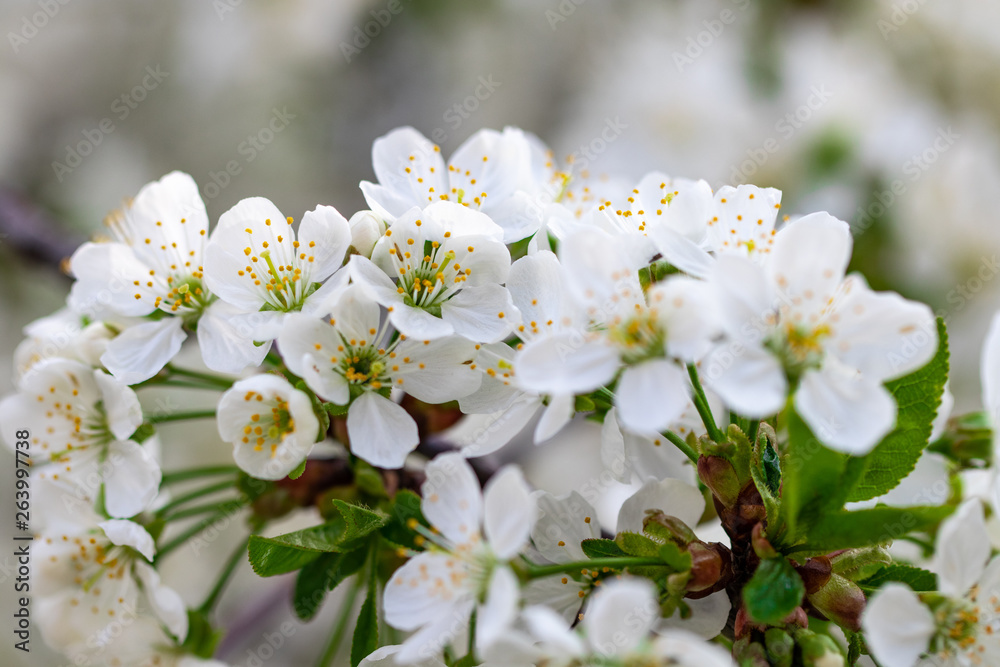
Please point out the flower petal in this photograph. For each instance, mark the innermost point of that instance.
(748, 379)
(141, 351)
(483, 314)
(327, 236)
(452, 499)
(134, 479)
(381, 432)
(897, 626)
(848, 413)
(619, 616)
(496, 615)
(962, 549)
(670, 496)
(651, 396)
(565, 363)
(129, 534)
(508, 512)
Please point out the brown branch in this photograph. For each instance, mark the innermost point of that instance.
(31, 232)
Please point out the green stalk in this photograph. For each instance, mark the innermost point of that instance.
(194, 495)
(679, 443)
(180, 416)
(338, 630)
(701, 403)
(195, 473)
(231, 504)
(226, 574)
(617, 563)
(188, 534)
(217, 380)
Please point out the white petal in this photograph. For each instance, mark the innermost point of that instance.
(386, 657)
(847, 413)
(962, 549)
(166, 603)
(897, 626)
(550, 629)
(439, 370)
(141, 351)
(748, 379)
(671, 496)
(381, 432)
(227, 345)
(483, 314)
(685, 649)
(121, 405)
(562, 525)
(687, 309)
(325, 227)
(418, 323)
(651, 396)
(323, 300)
(555, 416)
(565, 363)
(482, 434)
(129, 534)
(881, 333)
(809, 258)
(134, 479)
(508, 512)
(681, 252)
(106, 274)
(452, 499)
(620, 615)
(709, 616)
(990, 371)
(495, 617)
(400, 158)
(613, 448)
(745, 298)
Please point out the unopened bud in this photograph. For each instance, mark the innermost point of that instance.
(706, 567)
(366, 229)
(841, 601)
(750, 654)
(815, 573)
(667, 528)
(720, 477)
(761, 546)
(859, 564)
(780, 647)
(818, 650)
(967, 440)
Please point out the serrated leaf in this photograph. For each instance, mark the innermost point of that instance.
(861, 528)
(366, 631)
(916, 578)
(671, 554)
(405, 506)
(771, 468)
(299, 469)
(774, 591)
(345, 532)
(811, 475)
(636, 544)
(323, 575)
(918, 396)
(601, 548)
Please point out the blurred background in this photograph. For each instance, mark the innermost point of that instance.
(885, 113)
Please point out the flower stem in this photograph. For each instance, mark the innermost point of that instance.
(340, 628)
(615, 563)
(231, 504)
(194, 495)
(217, 380)
(189, 533)
(679, 443)
(701, 403)
(224, 576)
(180, 416)
(195, 473)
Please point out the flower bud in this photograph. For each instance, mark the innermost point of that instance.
(815, 573)
(967, 440)
(719, 475)
(706, 567)
(780, 647)
(818, 650)
(667, 528)
(859, 564)
(750, 654)
(841, 601)
(366, 229)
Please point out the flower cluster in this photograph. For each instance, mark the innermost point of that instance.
(747, 387)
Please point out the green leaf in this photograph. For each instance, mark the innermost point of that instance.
(366, 631)
(914, 577)
(601, 548)
(855, 647)
(334, 410)
(405, 506)
(635, 544)
(811, 475)
(299, 469)
(679, 561)
(774, 591)
(342, 533)
(201, 638)
(918, 396)
(322, 575)
(848, 530)
(772, 469)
